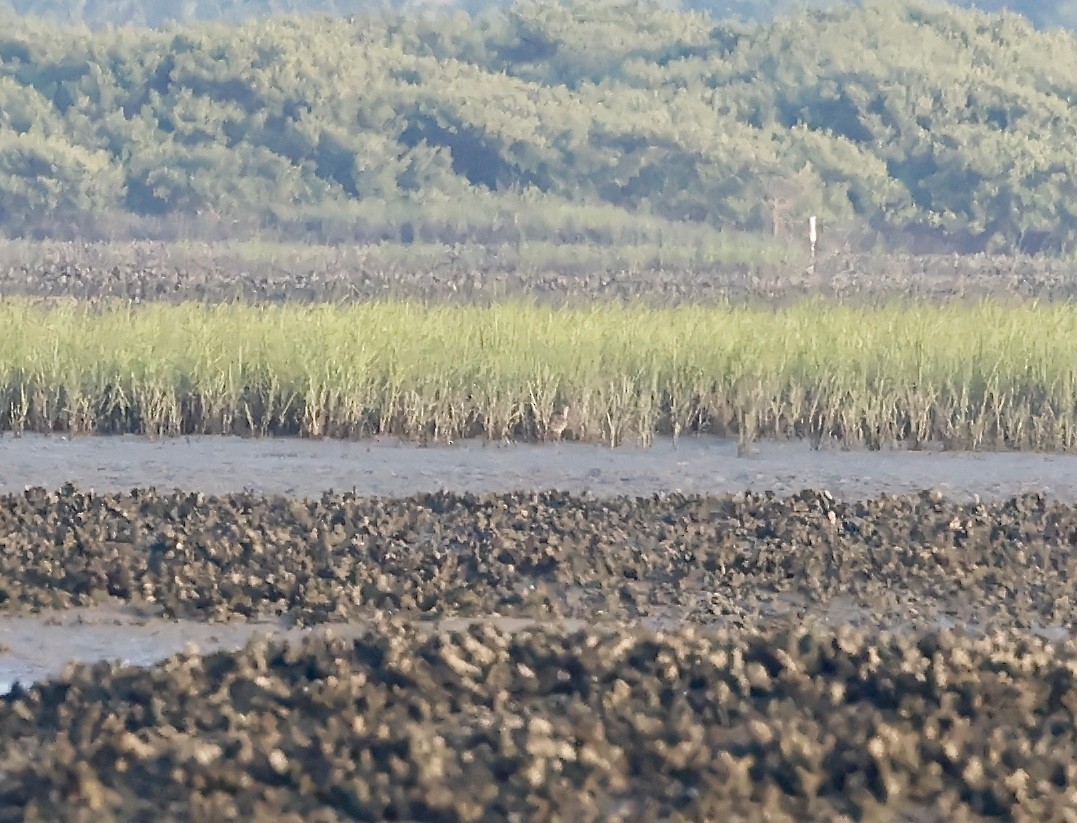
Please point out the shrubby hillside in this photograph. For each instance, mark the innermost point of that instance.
(99, 13)
(596, 120)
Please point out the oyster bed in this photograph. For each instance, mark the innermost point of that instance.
(893, 561)
(683, 657)
(152, 271)
(619, 724)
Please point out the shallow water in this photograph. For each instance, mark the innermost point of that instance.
(35, 647)
(217, 465)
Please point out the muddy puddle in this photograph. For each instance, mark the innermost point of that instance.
(217, 465)
(36, 647)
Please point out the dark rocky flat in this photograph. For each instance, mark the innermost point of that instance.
(546, 656)
(610, 724)
(917, 561)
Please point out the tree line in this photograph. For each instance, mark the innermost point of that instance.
(156, 13)
(574, 120)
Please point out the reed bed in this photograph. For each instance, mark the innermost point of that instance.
(985, 375)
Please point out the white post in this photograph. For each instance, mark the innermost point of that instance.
(813, 236)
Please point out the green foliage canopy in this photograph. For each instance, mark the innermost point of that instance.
(548, 120)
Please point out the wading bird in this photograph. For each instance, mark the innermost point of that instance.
(558, 423)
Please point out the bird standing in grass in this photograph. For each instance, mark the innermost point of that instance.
(558, 423)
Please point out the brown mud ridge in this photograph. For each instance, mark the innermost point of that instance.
(602, 724)
(150, 272)
(743, 560)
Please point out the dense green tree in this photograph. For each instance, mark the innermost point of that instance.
(157, 13)
(892, 118)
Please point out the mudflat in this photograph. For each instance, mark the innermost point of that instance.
(696, 465)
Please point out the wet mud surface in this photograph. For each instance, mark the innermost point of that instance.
(537, 656)
(700, 465)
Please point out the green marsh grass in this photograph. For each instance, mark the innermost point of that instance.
(969, 376)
